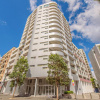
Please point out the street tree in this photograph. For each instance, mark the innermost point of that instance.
(18, 74)
(58, 72)
(93, 82)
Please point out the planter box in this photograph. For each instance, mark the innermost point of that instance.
(87, 96)
(95, 96)
(70, 96)
(79, 97)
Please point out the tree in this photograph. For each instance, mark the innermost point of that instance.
(98, 0)
(58, 72)
(18, 74)
(93, 82)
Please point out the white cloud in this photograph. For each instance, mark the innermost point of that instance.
(46, 1)
(59, 6)
(3, 22)
(90, 63)
(33, 5)
(73, 4)
(84, 47)
(88, 22)
(76, 36)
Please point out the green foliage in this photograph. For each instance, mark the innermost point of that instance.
(58, 72)
(98, 0)
(93, 82)
(68, 92)
(19, 72)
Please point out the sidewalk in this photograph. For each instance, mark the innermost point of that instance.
(9, 97)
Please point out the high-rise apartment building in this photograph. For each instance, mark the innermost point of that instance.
(47, 31)
(94, 56)
(3, 64)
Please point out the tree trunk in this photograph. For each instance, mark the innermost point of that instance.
(57, 93)
(14, 90)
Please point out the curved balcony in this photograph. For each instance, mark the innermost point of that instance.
(55, 47)
(55, 34)
(55, 40)
(54, 10)
(55, 25)
(57, 52)
(55, 22)
(55, 15)
(55, 18)
(53, 6)
(56, 29)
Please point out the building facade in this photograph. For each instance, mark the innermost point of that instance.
(94, 56)
(47, 31)
(3, 64)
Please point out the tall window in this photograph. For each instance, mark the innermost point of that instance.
(40, 7)
(46, 5)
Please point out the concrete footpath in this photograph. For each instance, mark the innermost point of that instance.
(9, 97)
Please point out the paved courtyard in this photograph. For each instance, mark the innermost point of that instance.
(9, 97)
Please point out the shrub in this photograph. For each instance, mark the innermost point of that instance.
(68, 92)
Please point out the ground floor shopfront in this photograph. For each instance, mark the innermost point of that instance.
(41, 87)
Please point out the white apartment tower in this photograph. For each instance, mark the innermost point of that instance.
(47, 31)
(94, 56)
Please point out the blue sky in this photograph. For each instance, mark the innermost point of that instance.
(83, 17)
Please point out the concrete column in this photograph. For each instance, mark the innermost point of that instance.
(72, 88)
(80, 87)
(35, 91)
(32, 87)
(7, 89)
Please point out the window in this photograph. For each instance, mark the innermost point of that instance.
(45, 16)
(44, 32)
(34, 50)
(40, 7)
(45, 67)
(45, 6)
(42, 64)
(36, 38)
(45, 19)
(43, 42)
(43, 49)
(37, 33)
(37, 28)
(39, 17)
(33, 57)
(46, 27)
(35, 43)
(43, 56)
(38, 20)
(38, 24)
(45, 37)
(32, 65)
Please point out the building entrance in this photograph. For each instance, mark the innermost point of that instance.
(39, 87)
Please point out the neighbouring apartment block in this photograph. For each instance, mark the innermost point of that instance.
(94, 56)
(3, 64)
(47, 31)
